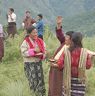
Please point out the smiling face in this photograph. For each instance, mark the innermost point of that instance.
(67, 40)
(34, 34)
(68, 37)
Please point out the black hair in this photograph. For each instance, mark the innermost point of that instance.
(12, 9)
(70, 33)
(76, 40)
(40, 15)
(30, 29)
(27, 11)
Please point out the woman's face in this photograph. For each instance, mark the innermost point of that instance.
(33, 34)
(67, 40)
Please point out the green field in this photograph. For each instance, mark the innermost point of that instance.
(12, 78)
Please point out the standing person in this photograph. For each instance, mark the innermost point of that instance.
(33, 51)
(11, 16)
(1, 43)
(40, 25)
(74, 61)
(28, 20)
(55, 74)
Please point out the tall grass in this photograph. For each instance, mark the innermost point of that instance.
(12, 78)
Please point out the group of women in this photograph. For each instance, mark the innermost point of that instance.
(68, 66)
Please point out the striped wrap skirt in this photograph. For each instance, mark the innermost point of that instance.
(77, 88)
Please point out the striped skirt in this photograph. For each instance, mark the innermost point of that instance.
(34, 73)
(77, 88)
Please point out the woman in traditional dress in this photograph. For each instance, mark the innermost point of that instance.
(33, 52)
(74, 61)
(55, 74)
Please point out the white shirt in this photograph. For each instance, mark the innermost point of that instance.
(12, 18)
(1, 30)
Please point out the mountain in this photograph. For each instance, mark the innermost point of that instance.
(71, 10)
(81, 23)
(40, 6)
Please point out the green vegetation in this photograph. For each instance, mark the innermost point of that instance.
(12, 78)
(78, 15)
(50, 9)
(85, 23)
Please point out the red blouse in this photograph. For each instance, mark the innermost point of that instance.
(60, 35)
(75, 56)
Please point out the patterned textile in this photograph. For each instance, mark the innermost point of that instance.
(34, 73)
(77, 88)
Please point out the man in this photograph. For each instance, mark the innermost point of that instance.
(28, 21)
(11, 16)
(40, 25)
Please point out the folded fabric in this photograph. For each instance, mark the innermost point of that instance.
(31, 52)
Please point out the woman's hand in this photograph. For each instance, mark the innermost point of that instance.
(91, 53)
(59, 20)
(37, 50)
(54, 64)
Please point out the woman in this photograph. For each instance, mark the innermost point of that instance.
(74, 61)
(1, 43)
(55, 74)
(33, 51)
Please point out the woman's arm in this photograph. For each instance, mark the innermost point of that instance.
(59, 31)
(88, 62)
(24, 49)
(91, 53)
(60, 61)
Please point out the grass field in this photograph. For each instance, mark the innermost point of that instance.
(12, 78)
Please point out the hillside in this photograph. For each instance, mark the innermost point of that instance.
(12, 78)
(79, 15)
(82, 23)
(49, 8)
